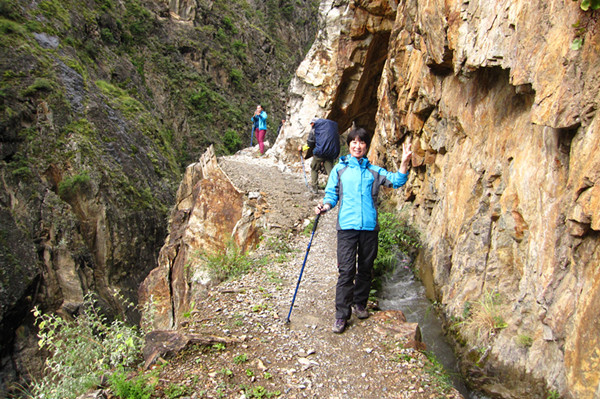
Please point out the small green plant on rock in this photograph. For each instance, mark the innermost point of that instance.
(485, 319)
(230, 262)
(580, 27)
(435, 369)
(138, 387)
(239, 359)
(71, 186)
(553, 394)
(524, 340)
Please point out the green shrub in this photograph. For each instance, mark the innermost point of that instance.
(232, 141)
(140, 20)
(201, 100)
(71, 186)
(396, 236)
(107, 36)
(40, 84)
(590, 4)
(82, 350)
(230, 262)
(8, 27)
(236, 77)
(9, 9)
(22, 172)
(229, 25)
(138, 387)
(222, 36)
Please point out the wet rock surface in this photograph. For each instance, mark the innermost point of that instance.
(252, 352)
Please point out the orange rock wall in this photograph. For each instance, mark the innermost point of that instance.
(501, 113)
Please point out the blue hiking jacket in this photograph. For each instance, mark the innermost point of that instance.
(260, 121)
(355, 185)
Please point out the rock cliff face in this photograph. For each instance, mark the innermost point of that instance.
(505, 175)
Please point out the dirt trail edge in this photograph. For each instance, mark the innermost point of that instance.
(266, 357)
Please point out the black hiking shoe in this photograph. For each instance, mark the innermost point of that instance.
(339, 326)
(361, 312)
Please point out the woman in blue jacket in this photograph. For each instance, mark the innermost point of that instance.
(259, 120)
(354, 184)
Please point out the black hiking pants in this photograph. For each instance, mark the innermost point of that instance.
(356, 252)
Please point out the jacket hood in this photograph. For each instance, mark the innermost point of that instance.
(349, 160)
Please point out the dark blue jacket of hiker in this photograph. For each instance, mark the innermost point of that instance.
(325, 139)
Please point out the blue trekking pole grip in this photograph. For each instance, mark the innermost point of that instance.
(303, 264)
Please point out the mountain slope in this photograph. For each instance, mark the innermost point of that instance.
(102, 103)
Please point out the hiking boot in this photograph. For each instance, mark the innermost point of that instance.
(361, 312)
(339, 326)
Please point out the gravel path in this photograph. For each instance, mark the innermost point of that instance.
(265, 356)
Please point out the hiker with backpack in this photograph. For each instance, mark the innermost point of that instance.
(354, 183)
(324, 142)
(259, 126)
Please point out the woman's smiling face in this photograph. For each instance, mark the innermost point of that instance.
(357, 148)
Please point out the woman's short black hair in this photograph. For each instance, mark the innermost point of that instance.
(362, 135)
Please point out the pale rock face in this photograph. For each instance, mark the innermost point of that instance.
(183, 10)
(504, 186)
(332, 81)
(310, 89)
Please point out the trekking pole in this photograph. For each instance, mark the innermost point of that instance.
(303, 264)
(251, 134)
(303, 169)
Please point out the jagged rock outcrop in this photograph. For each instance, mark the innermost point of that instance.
(504, 186)
(209, 212)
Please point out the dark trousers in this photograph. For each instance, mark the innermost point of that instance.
(356, 252)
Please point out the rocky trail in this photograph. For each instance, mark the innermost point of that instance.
(254, 353)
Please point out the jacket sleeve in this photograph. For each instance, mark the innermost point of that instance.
(263, 116)
(310, 141)
(389, 179)
(332, 190)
